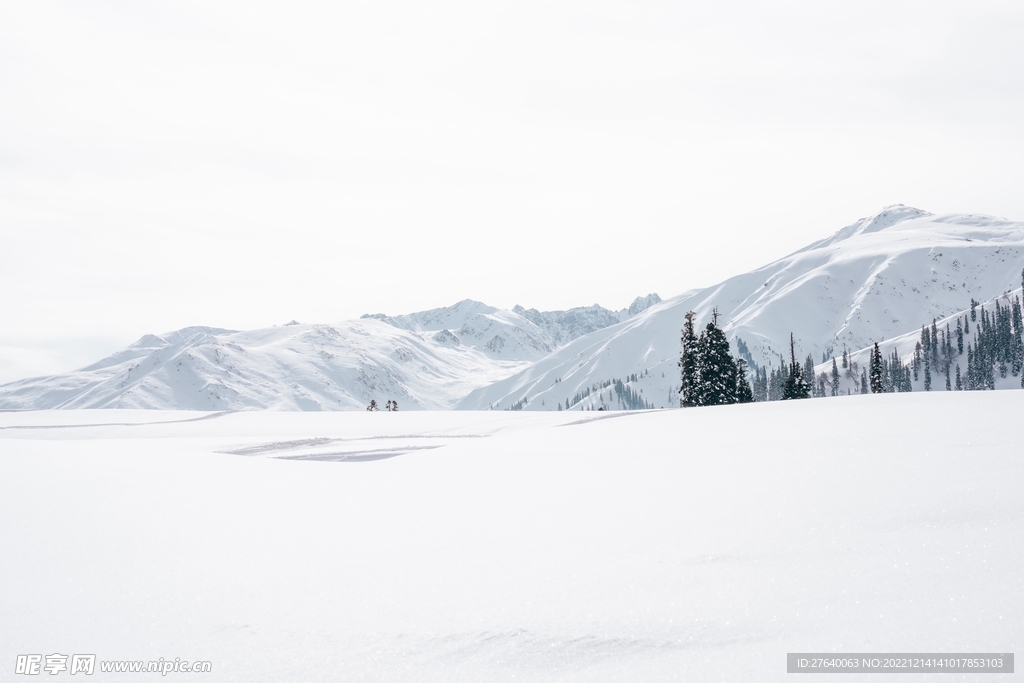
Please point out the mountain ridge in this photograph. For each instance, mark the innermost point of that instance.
(423, 360)
(878, 278)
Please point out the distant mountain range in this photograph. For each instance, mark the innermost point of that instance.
(878, 279)
(425, 360)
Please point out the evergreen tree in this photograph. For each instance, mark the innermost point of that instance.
(948, 386)
(835, 377)
(809, 371)
(796, 387)
(916, 360)
(688, 364)
(717, 369)
(846, 359)
(760, 384)
(744, 394)
(876, 370)
(1016, 344)
(959, 337)
(970, 367)
(708, 370)
(864, 381)
(776, 382)
(699, 391)
(959, 384)
(927, 372)
(887, 384)
(895, 374)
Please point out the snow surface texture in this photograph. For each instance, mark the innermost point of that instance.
(877, 279)
(425, 360)
(483, 546)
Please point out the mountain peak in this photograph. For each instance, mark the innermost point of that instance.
(883, 220)
(642, 303)
(887, 218)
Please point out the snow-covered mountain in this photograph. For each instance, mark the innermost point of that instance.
(425, 360)
(291, 367)
(879, 278)
(519, 334)
(564, 326)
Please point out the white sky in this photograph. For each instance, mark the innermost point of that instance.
(241, 164)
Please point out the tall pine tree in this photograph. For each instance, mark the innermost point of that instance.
(744, 394)
(876, 370)
(928, 372)
(716, 368)
(688, 364)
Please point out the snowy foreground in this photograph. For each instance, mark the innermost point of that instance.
(697, 545)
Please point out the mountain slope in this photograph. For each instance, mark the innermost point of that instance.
(878, 278)
(293, 367)
(424, 360)
(860, 359)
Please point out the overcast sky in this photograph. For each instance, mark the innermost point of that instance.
(242, 164)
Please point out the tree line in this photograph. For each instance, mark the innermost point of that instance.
(996, 349)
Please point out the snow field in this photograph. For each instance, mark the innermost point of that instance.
(697, 545)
